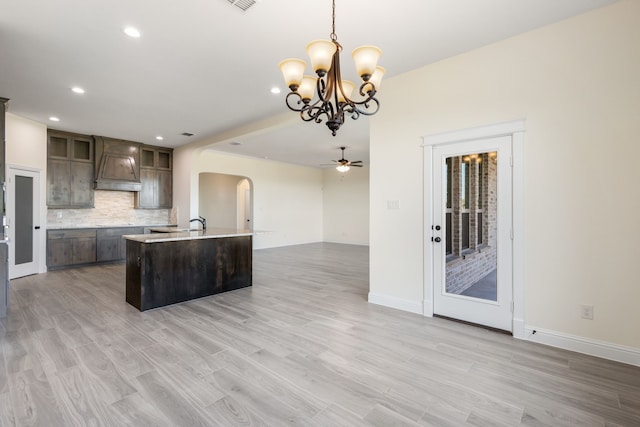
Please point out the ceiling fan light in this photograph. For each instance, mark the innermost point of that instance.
(366, 59)
(347, 90)
(321, 55)
(292, 70)
(307, 87)
(342, 168)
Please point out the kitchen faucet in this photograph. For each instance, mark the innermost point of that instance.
(201, 220)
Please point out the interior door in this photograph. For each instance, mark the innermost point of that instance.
(23, 222)
(472, 213)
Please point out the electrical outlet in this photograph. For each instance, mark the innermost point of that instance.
(586, 312)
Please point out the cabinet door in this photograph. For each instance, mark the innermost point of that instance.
(147, 194)
(59, 252)
(81, 185)
(163, 188)
(58, 177)
(83, 250)
(82, 149)
(108, 248)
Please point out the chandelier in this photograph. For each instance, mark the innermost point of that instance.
(334, 95)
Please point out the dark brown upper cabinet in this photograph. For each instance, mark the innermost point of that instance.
(156, 175)
(70, 174)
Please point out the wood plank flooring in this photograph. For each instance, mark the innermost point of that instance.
(301, 347)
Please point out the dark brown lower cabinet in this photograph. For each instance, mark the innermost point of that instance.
(70, 247)
(75, 247)
(111, 245)
(163, 273)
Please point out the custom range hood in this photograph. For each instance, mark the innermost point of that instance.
(117, 164)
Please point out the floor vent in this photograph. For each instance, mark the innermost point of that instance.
(242, 4)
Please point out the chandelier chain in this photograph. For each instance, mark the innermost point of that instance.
(334, 37)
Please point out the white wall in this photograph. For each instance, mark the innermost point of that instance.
(576, 84)
(346, 206)
(26, 146)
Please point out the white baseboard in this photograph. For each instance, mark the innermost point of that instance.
(398, 303)
(605, 350)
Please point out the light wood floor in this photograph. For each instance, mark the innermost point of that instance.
(301, 347)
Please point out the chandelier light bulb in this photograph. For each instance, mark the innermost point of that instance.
(347, 88)
(343, 168)
(307, 87)
(321, 55)
(292, 70)
(366, 59)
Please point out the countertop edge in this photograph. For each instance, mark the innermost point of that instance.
(186, 235)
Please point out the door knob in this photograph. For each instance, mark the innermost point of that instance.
(437, 240)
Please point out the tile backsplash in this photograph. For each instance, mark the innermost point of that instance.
(111, 208)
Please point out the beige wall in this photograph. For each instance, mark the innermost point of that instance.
(295, 204)
(346, 206)
(287, 199)
(218, 194)
(576, 84)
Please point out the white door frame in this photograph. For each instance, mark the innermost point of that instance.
(515, 129)
(10, 212)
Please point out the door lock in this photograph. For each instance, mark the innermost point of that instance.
(437, 240)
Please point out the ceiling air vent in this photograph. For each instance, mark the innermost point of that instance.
(242, 4)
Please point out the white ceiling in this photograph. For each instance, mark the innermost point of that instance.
(206, 67)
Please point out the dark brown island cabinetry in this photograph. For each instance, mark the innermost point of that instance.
(70, 173)
(156, 176)
(166, 271)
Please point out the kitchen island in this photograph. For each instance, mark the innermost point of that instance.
(167, 268)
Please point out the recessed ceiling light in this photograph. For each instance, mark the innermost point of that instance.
(132, 32)
(54, 119)
(77, 89)
(159, 138)
(275, 90)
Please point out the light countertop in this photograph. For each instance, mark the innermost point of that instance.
(209, 233)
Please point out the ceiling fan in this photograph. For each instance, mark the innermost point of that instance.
(343, 164)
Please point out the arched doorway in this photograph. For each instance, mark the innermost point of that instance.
(226, 201)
